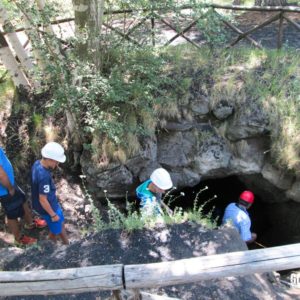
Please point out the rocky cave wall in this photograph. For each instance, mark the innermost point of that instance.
(217, 140)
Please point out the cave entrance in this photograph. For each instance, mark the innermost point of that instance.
(269, 231)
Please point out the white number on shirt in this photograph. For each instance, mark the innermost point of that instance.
(46, 189)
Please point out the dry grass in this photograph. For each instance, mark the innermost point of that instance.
(269, 80)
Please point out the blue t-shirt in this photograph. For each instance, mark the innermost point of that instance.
(240, 220)
(8, 169)
(42, 184)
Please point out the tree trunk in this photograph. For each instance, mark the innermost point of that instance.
(96, 8)
(12, 66)
(81, 9)
(88, 20)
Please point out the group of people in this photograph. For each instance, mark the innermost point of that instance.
(44, 199)
(45, 202)
(150, 195)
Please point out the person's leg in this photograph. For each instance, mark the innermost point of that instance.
(30, 222)
(57, 228)
(14, 209)
(13, 226)
(63, 235)
(20, 239)
(52, 237)
(27, 214)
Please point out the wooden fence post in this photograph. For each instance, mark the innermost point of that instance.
(152, 30)
(280, 31)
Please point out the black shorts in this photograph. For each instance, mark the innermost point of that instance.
(13, 205)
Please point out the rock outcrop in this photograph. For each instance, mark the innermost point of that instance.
(218, 139)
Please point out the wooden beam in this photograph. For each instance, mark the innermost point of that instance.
(138, 295)
(212, 267)
(53, 282)
(257, 8)
(292, 22)
(280, 31)
(152, 30)
(243, 35)
(179, 33)
(14, 69)
(125, 36)
(237, 30)
(148, 296)
(116, 277)
(295, 9)
(140, 23)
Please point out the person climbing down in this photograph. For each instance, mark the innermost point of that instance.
(13, 201)
(150, 192)
(44, 199)
(236, 213)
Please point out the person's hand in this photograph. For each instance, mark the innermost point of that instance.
(55, 218)
(12, 191)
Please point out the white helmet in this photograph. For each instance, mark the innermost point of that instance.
(54, 151)
(161, 178)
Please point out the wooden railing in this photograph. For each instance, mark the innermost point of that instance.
(157, 17)
(121, 278)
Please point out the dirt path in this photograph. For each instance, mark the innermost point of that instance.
(76, 209)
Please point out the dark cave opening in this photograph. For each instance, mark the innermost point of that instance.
(227, 190)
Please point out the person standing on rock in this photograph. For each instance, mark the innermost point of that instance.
(44, 197)
(237, 215)
(150, 192)
(14, 202)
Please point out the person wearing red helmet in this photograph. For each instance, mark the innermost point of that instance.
(237, 215)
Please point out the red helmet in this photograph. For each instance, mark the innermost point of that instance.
(247, 196)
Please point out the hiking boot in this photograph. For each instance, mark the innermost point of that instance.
(25, 241)
(37, 223)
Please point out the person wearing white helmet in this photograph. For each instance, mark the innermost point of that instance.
(44, 199)
(150, 192)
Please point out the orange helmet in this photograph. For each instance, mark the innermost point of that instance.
(247, 196)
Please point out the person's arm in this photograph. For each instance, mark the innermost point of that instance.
(44, 190)
(47, 207)
(253, 238)
(4, 180)
(245, 232)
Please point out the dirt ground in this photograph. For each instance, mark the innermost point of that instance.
(164, 243)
